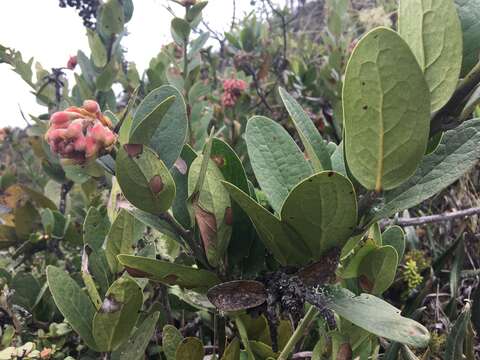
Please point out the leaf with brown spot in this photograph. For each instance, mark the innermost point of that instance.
(133, 150)
(156, 184)
(237, 295)
(344, 352)
(207, 225)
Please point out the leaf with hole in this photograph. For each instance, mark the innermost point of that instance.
(386, 103)
(114, 321)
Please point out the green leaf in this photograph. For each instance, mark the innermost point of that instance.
(378, 317)
(124, 233)
(379, 267)
(180, 175)
(395, 237)
(212, 210)
(457, 153)
(171, 339)
(168, 273)
(232, 170)
(277, 162)
(111, 17)
(114, 321)
(433, 32)
(232, 352)
(195, 10)
(144, 179)
(73, 303)
(315, 146)
(143, 129)
(180, 31)
(99, 53)
(469, 12)
(323, 211)
(386, 103)
(285, 245)
(134, 348)
(95, 228)
(190, 348)
(351, 269)
(169, 137)
(456, 338)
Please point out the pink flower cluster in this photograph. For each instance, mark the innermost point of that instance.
(80, 134)
(232, 88)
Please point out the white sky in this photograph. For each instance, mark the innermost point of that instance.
(40, 28)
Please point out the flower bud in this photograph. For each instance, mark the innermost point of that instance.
(80, 134)
(72, 63)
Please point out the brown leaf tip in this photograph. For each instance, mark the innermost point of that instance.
(156, 184)
(133, 149)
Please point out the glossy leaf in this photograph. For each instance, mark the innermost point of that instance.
(144, 179)
(124, 233)
(168, 273)
(386, 105)
(73, 303)
(277, 161)
(134, 348)
(169, 137)
(190, 348)
(377, 316)
(433, 32)
(455, 155)
(114, 321)
(322, 209)
(315, 146)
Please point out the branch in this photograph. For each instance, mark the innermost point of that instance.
(435, 218)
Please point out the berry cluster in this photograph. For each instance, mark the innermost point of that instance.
(232, 88)
(80, 134)
(87, 10)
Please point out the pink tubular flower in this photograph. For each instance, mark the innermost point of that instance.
(233, 89)
(80, 134)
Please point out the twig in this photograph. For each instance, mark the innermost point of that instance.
(284, 27)
(234, 15)
(63, 196)
(299, 332)
(422, 220)
(302, 355)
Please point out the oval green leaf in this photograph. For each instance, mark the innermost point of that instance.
(386, 103)
(323, 211)
(433, 32)
(277, 162)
